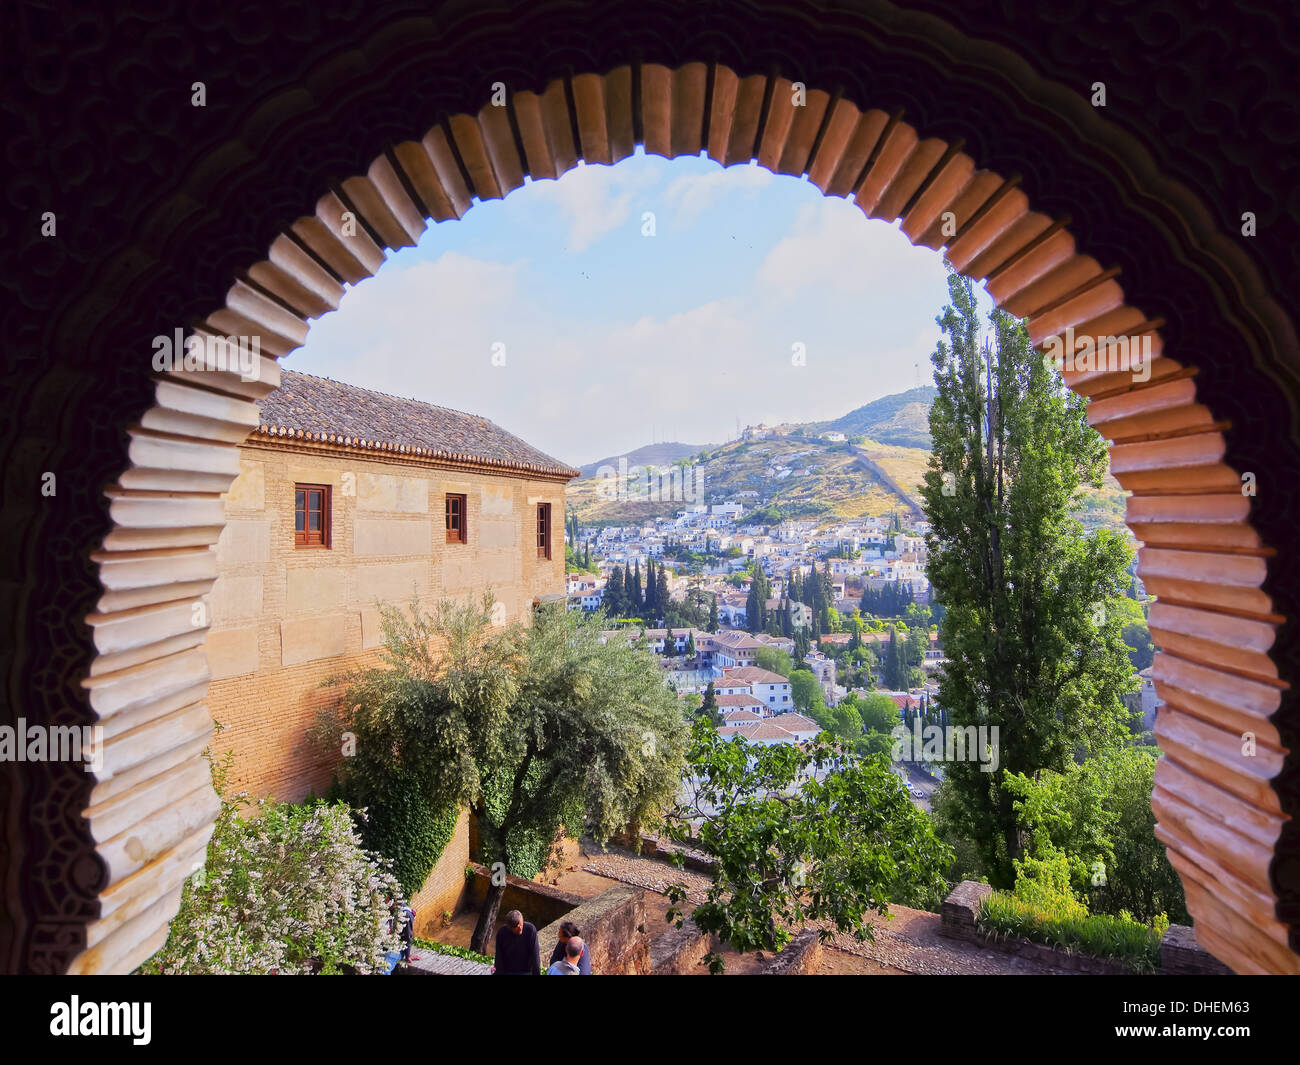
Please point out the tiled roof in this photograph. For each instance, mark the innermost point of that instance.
(738, 700)
(754, 675)
(315, 408)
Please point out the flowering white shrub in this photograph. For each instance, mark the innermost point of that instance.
(287, 890)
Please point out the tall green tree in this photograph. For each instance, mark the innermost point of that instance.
(756, 601)
(651, 590)
(709, 705)
(1033, 642)
(615, 598)
(635, 600)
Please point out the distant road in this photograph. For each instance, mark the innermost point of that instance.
(872, 468)
(917, 779)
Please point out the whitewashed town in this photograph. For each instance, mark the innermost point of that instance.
(778, 630)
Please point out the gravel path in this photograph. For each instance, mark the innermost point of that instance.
(649, 874)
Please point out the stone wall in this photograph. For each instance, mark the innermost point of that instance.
(1181, 955)
(799, 958)
(613, 926)
(680, 951)
(961, 908)
(283, 618)
(541, 904)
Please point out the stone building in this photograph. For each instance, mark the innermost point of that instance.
(345, 498)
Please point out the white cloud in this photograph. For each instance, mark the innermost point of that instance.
(595, 200)
(692, 194)
(834, 245)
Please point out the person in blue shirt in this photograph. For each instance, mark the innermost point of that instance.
(568, 931)
(574, 949)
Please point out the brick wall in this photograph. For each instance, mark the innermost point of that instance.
(283, 619)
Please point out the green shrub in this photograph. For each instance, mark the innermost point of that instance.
(1120, 939)
(288, 890)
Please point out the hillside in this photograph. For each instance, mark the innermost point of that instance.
(902, 419)
(873, 475)
(663, 454)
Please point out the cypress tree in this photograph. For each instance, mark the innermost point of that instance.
(615, 601)
(634, 599)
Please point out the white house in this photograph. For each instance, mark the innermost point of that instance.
(771, 688)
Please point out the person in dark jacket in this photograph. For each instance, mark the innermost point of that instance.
(518, 953)
(569, 930)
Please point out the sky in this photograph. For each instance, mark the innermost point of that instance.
(652, 300)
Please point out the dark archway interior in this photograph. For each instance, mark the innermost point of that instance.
(159, 205)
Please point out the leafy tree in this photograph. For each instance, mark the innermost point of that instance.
(709, 706)
(805, 692)
(774, 660)
(535, 728)
(878, 711)
(896, 674)
(651, 590)
(791, 848)
(760, 591)
(1033, 647)
(1098, 814)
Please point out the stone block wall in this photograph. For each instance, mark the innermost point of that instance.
(799, 958)
(1181, 955)
(680, 951)
(541, 904)
(283, 619)
(613, 926)
(960, 909)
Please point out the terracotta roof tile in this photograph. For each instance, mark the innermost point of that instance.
(316, 408)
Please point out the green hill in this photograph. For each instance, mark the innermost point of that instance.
(663, 454)
(902, 419)
(802, 475)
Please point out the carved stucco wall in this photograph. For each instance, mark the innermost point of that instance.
(161, 205)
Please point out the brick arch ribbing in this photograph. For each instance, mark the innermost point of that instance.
(1217, 813)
